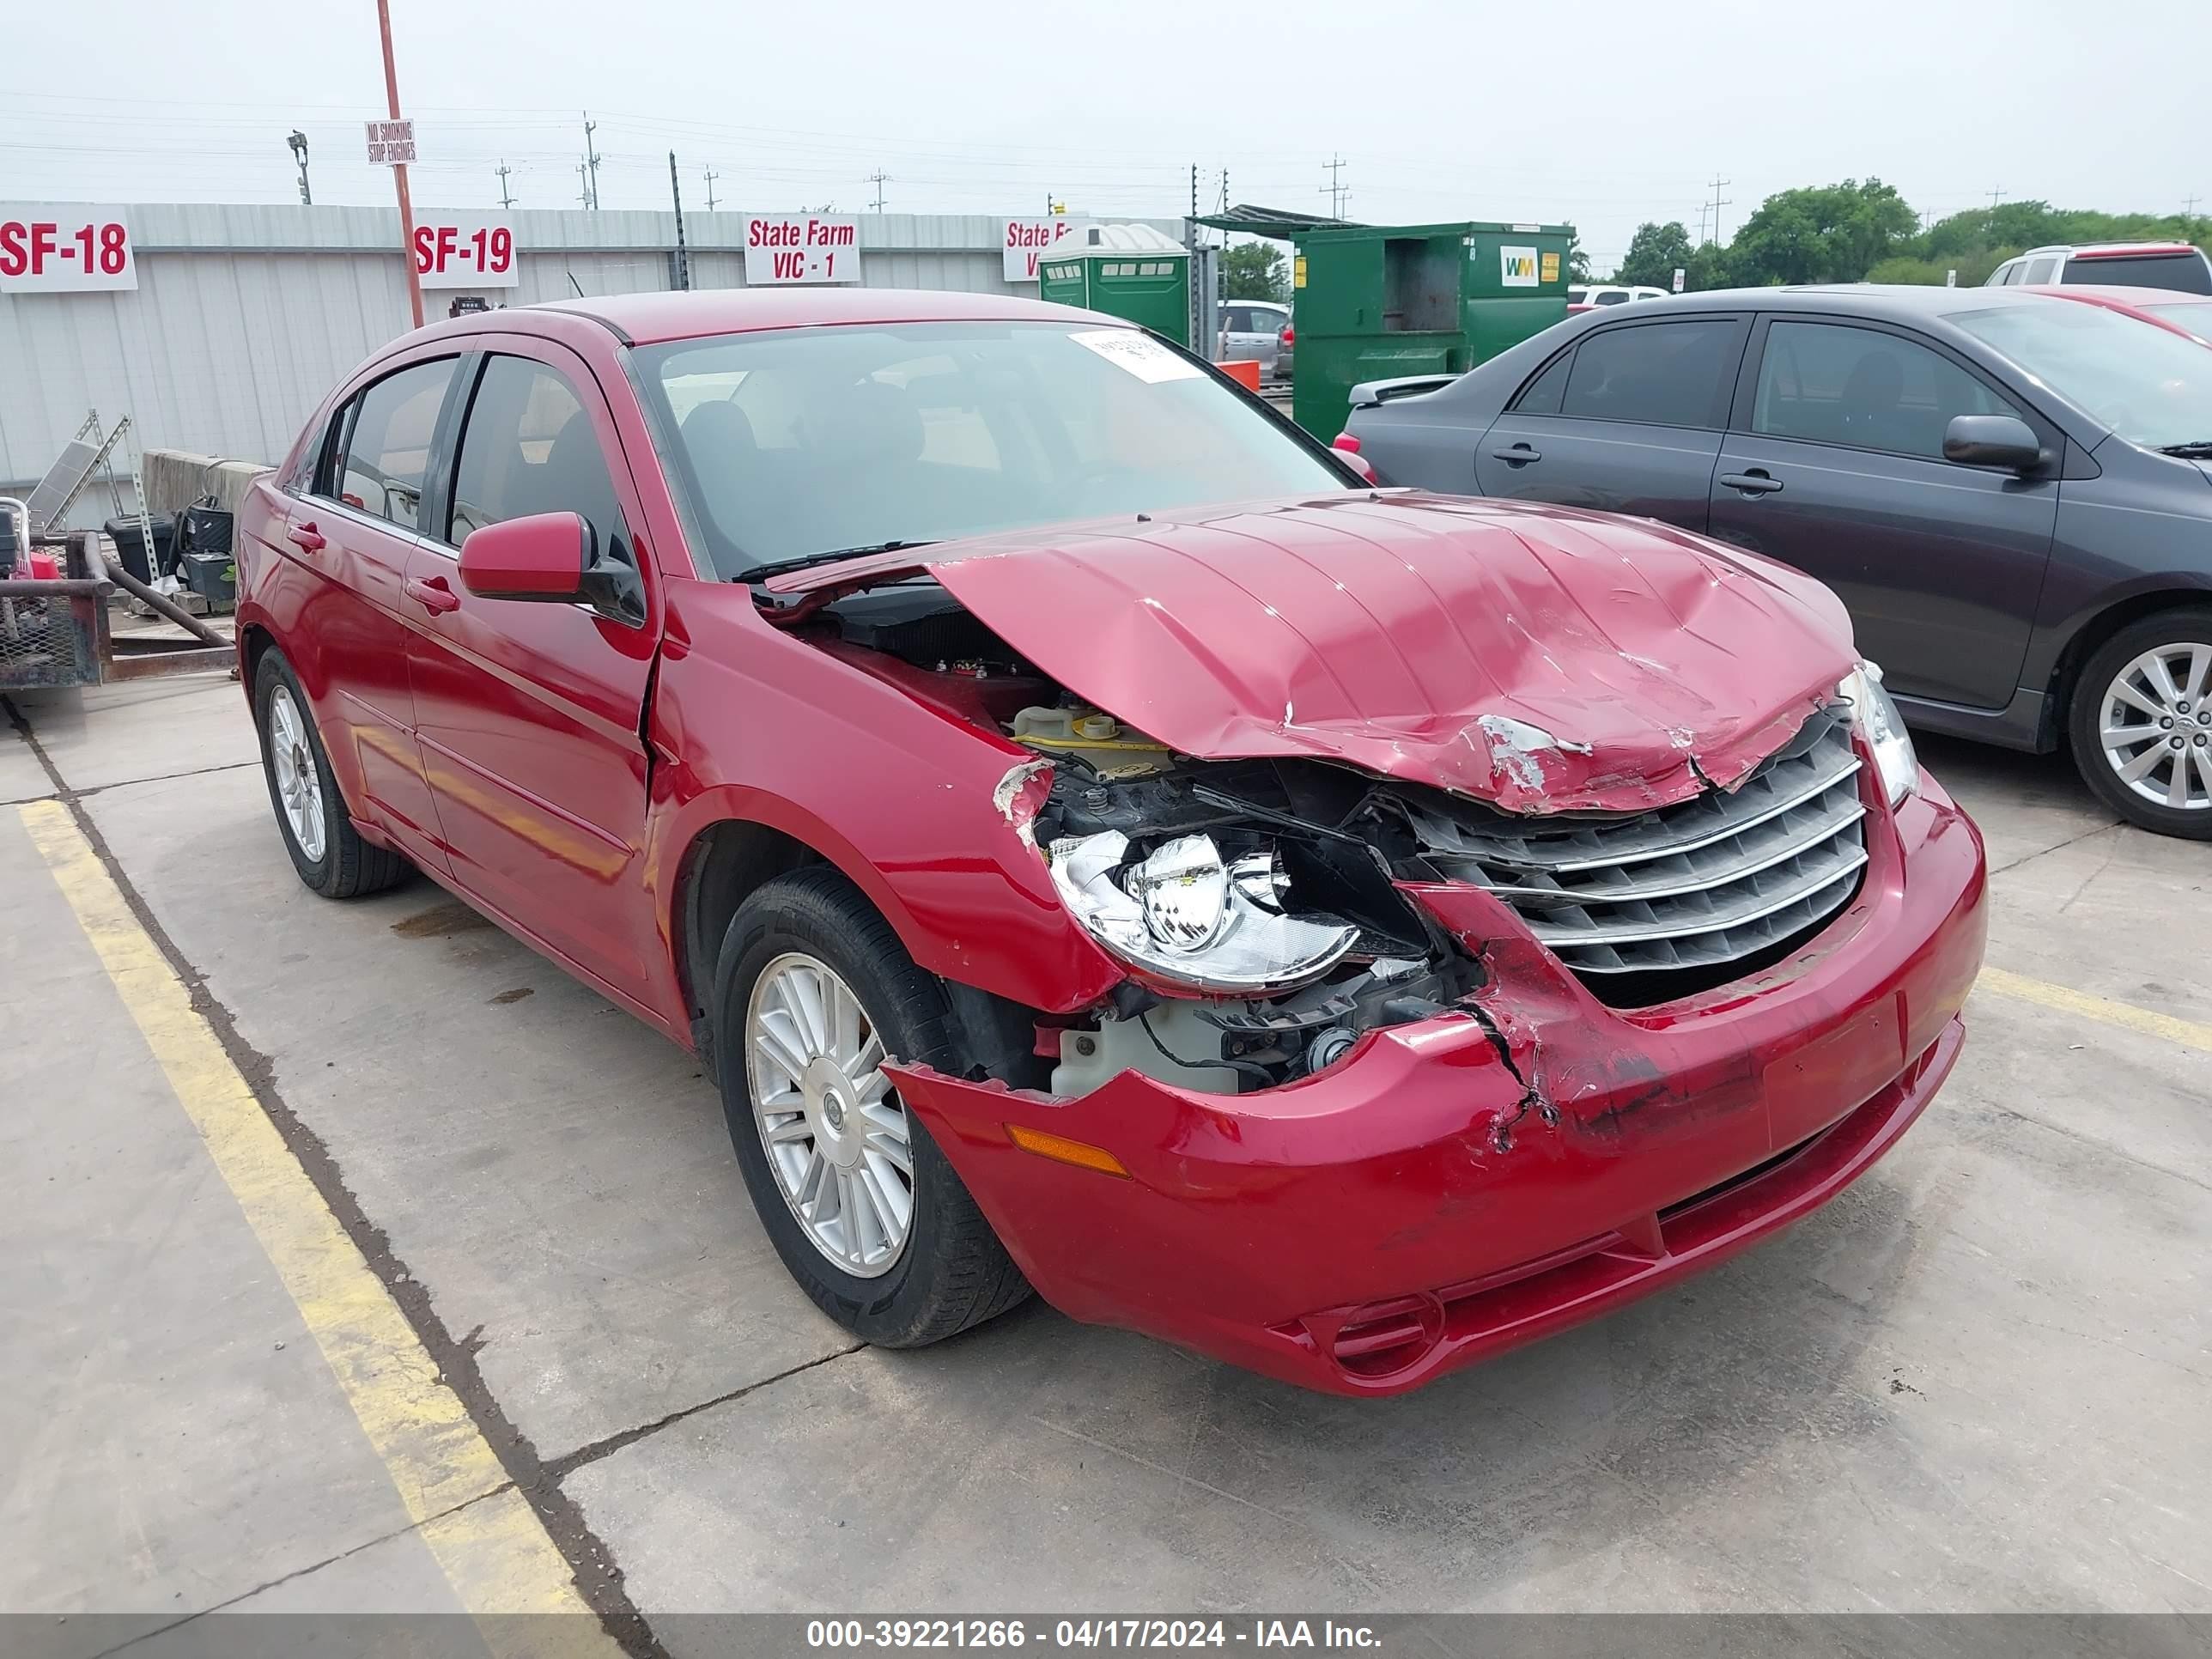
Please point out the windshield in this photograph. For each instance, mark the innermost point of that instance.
(2197, 318)
(2153, 388)
(797, 442)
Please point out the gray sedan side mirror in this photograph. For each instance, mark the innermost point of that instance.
(2004, 441)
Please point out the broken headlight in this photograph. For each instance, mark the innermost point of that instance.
(1876, 717)
(1184, 913)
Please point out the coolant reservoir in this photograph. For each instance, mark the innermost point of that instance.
(1070, 726)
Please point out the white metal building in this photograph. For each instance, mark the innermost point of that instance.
(243, 316)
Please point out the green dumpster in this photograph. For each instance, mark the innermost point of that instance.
(1130, 271)
(1375, 302)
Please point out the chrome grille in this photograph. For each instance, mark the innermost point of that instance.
(1699, 884)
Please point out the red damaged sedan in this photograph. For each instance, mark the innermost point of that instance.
(1096, 842)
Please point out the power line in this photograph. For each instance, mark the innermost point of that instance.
(1719, 202)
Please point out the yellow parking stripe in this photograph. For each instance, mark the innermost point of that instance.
(489, 1541)
(2188, 1033)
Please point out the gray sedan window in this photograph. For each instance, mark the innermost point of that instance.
(1659, 374)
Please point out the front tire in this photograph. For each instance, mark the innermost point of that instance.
(812, 991)
(329, 853)
(2141, 723)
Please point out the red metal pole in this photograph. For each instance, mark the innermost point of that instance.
(399, 173)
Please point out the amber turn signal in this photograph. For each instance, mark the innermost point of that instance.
(1061, 1150)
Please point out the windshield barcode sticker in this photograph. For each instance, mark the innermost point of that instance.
(1142, 356)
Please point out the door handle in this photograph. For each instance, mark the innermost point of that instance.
(306, 537)
(1519, 455)
(432, 595)
(1753, 483)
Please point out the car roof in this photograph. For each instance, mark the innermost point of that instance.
(648, 318)
(2106, 247)
(2114, 294)
(1901, 301)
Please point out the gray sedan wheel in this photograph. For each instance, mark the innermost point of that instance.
(2142, 723)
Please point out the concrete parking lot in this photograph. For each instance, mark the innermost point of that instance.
(1977, 1381)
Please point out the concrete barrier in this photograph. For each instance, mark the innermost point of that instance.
(175, 478)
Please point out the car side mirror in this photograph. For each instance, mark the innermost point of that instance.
(550, 558)
(2003, 441)
(543, 558)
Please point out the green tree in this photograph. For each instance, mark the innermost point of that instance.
(1655, 253)
(1708, 268)
(1579, 269)
(1255, 271)
(1821, 233)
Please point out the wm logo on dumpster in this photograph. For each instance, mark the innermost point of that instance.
(1517, 267)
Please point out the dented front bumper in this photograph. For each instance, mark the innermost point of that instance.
(1463, 1184)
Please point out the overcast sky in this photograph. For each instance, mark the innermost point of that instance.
(1599, 113)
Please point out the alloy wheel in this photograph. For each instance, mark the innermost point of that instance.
(299, 784)
(2155, 725)
(835, 1135)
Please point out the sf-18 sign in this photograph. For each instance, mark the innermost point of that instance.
(1026, 239)
(465, 250)
(57, 251)
(802, 247)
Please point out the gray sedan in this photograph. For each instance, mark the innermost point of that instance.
(2013, 493)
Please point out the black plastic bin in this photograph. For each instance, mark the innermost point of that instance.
(131, 546)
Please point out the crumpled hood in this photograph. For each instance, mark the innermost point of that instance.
(1543, 659)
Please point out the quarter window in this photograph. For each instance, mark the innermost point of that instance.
(529, 449)
(1832, 384)
(1661, 374)
(387, 446)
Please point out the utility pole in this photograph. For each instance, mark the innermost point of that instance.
(584, 193)
(880, 178)
(1995, 196)
(1702, 211)
(1335, 187)
(399, 171)
(2188, 203)
(506, 200)
(591, 164)
(683, 255)
(1225, 194)
(711, 176)
(1719, 202)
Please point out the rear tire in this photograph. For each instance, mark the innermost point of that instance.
(329, 853)
(2141, 723)
(810, 933)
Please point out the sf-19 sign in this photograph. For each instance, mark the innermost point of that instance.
(46, 252)
(802, 247)
(464, 250)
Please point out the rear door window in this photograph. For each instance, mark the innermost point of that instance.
(1674, 373)
(1830, 383)
(387, 444)
(1543, 393)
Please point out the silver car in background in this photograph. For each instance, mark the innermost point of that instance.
(1252, 332)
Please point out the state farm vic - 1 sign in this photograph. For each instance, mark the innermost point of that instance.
(802, 247)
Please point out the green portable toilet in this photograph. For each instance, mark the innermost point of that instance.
(1374, 303)
(1130, 271)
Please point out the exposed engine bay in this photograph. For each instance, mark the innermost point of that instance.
(1255, 901)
